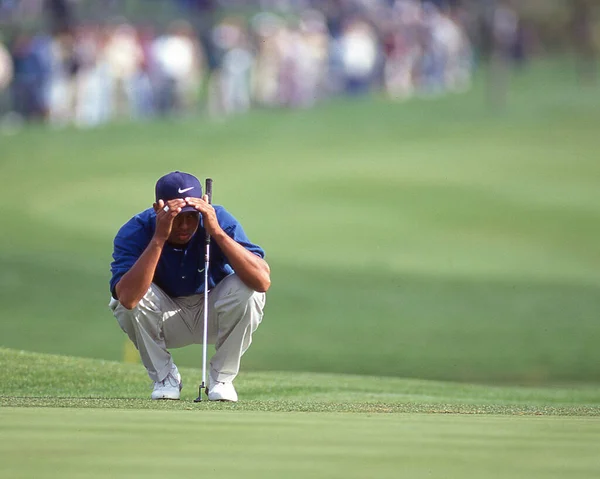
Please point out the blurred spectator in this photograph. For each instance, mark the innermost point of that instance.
(359, 51)
(268, 31)
(229, 87)
(504, 28)
(178, 62)
(63, 79)
(124, 57)
(401, 49)
(582, 26)
(6, 68)
(311, 59)
(6, 74)
(95, 81)
(458, 55)
(27, 88)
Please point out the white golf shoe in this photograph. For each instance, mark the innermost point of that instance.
(219, 391)
(170, 387)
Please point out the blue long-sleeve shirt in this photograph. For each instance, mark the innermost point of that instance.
(180, 269)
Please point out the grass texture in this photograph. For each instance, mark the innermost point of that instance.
(41, 380)
(426, 239)
(65, 417)
(434, 308)
(74, 443)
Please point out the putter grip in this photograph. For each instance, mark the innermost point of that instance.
(208, 189)
(208, 192)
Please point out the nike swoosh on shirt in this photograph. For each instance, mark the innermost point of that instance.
(200, 270)
(184, 190)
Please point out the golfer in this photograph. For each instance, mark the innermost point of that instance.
(158, 288)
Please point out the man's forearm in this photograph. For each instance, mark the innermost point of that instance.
(132, 287)
(250, 268)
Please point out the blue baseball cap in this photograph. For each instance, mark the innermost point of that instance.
(178, 185)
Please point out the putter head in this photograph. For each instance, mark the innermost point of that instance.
(200, 389)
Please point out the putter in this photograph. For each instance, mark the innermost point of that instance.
(203, 387)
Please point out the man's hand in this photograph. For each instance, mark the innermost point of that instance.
(209, 216)
(165, 214)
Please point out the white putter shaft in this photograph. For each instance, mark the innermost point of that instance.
(208, 192)
(205, 332)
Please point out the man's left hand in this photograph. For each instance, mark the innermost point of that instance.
(209, 216)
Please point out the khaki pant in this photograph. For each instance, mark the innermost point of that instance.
(160, 322)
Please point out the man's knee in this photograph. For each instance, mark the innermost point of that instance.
(258, 300)
(152, 300)
(237, 293)
(149, 305)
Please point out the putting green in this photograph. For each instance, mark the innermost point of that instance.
(76, 443)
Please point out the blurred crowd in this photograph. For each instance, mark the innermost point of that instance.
(90, 74)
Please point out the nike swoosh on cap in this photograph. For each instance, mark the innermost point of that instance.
(185, 189)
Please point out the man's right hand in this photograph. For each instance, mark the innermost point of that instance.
(134, 284)
(165, 214)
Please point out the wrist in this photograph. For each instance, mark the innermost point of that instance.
(158, 241)
(218, 235)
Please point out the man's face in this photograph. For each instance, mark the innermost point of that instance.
(184, 227)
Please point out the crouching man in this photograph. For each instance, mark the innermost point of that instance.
(157, 285)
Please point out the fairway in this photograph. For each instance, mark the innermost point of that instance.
(428, 239)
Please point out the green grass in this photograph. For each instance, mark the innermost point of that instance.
(433, 314)
(41, 380)
(68, 417)
(59, 443)
(428, 239)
